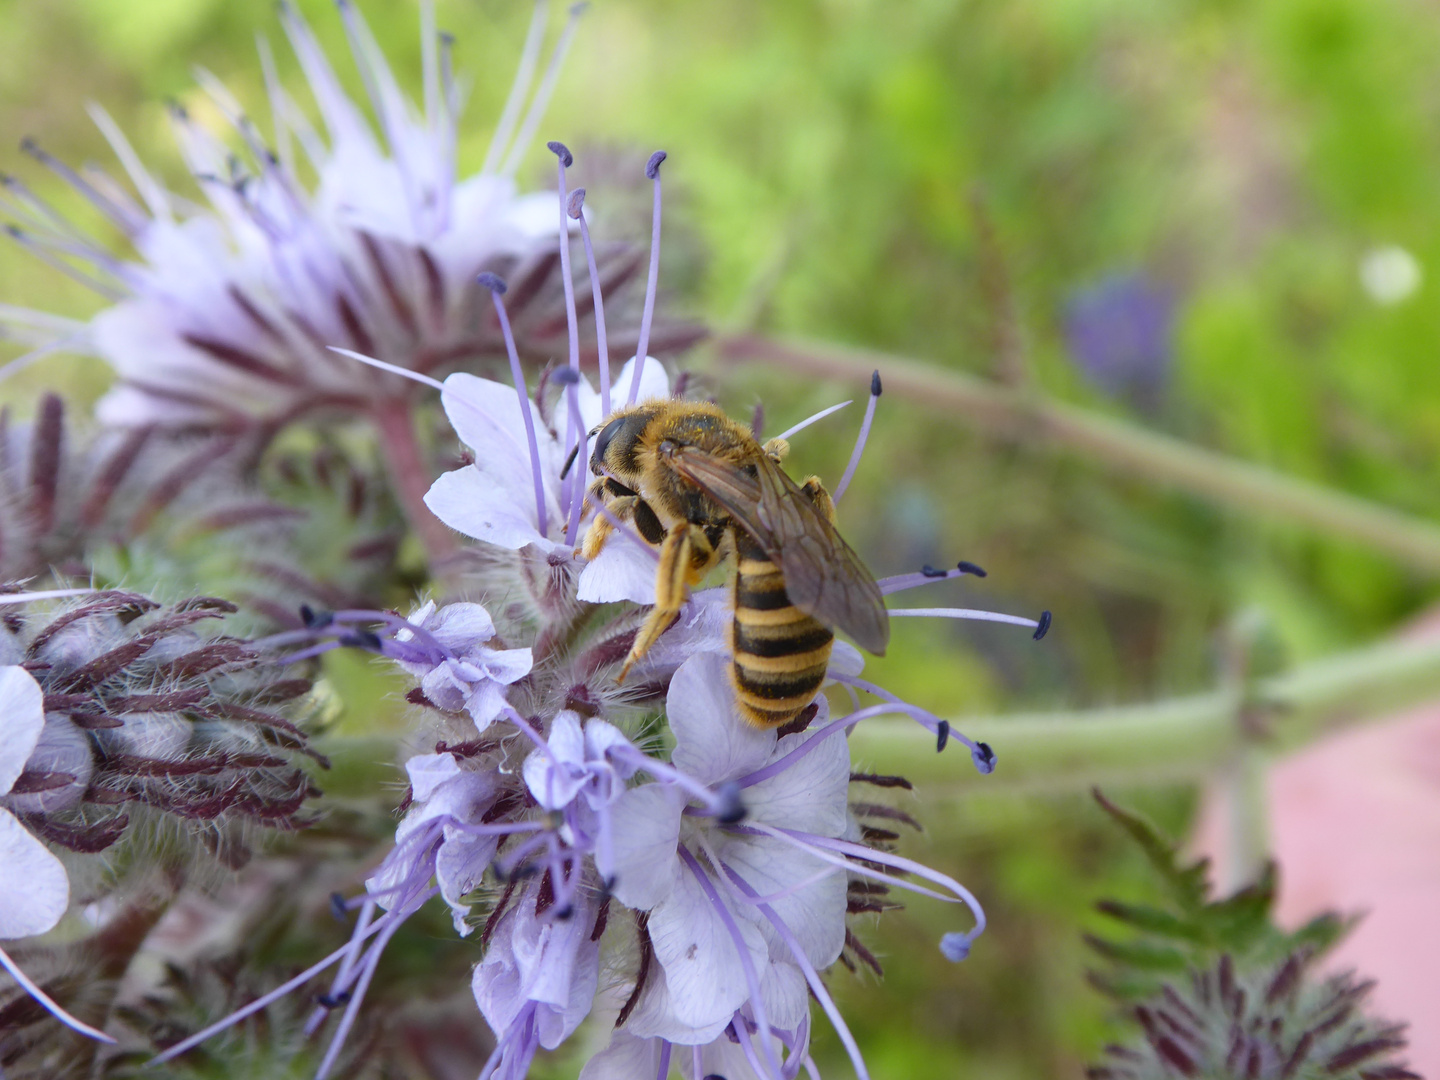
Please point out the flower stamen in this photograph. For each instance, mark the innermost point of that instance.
(652, 170)
(497, 289)
(576, 209)
(860, 439)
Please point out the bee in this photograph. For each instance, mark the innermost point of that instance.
(702, 489)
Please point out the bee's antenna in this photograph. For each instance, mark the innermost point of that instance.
(574, 453)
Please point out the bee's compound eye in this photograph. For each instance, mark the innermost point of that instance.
(602, 442)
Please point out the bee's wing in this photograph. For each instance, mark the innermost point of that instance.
(823, 576)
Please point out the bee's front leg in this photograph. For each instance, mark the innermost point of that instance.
(600, 527)
(677, 553)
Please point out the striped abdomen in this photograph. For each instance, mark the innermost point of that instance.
(780, 652)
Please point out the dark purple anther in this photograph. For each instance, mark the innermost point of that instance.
(983, 757)
(494, 282)
(362, 639)
(730, 809)
(875, 384)
(565, 377)
(942, 735)
(652, 167)
(970, 568)
(930, 571)
(560, 150)
(1043, 628)
(315, 620)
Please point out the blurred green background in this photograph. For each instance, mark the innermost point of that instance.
(1214, 219)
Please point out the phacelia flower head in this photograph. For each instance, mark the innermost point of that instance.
(647, 838)
(148, 715)
(224, 314)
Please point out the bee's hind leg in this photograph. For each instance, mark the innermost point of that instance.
(678, 556)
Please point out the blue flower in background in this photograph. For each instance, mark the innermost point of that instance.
(1121, 334)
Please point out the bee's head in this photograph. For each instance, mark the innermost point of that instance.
(616, 440)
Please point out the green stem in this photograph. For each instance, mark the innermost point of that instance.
(1178, 740)
(1019, 414)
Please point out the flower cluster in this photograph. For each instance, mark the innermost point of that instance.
(638, 850)
(119, 714)
(591, 804)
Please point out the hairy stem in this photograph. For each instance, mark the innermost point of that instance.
(1124, 447)
(1169, 741)
(411, 477)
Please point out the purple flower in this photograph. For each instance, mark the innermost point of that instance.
(714, 948)
(458, 670)
(538, 977)
(441, 836)
(1121, 333)
(495, 498)
(225, 318)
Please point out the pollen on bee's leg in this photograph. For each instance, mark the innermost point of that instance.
(860, 439)
(497, 288)
(652, 170)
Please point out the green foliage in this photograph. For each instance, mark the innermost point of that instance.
(1217, 990)
(1189, 930)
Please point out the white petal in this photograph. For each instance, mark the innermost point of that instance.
(484, 703)
(428, 771)
(845, 659)
(22, 718)
(459, 867)
(556, 1023)
(487, 417)
(461, 627)
(34, 890)
(786, 994)
(567, 740)
(531, 217)
(622, 571)
(815, 914)
(470, 502)
(702, 965)
(626, 1058)
(556, 777)
(496, 982)
(601, 738)
(712, 742)
(654, 1015)
(506, 665)
(809, 794)
(646, 829)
